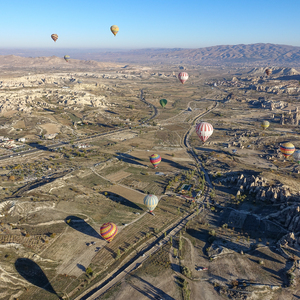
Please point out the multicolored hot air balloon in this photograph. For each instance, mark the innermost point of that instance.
(287, 149)
(66, 57)
(183, 77)
(297, 156)
(265, 124)
(155, 159)
(204, 131)
(108, 231)
(54, 37)
(151, 202)
(163, 102)
(268, 72)
(114, 29)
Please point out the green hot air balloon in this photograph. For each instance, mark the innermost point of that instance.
(163, 102)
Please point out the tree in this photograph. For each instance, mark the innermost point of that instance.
(118, 254)
(186, 271)
(89, 271)
(175, 252)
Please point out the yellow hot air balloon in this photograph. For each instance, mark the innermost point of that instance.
(265, 124)
(114, 29)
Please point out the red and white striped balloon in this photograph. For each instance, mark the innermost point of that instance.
(183, 77)
(204, 131)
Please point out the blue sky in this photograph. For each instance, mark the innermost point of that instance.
(145, 24)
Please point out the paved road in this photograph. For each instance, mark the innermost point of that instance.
(101, 287)
(150, 104)
(60, 144)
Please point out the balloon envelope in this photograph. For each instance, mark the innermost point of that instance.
(54, 37)
(66, 57)
(108, 231)
(155, 159)
(151, 202)
(265, 124)
(163, 102)
(114, 29)
(287, 149)
(297, 156)
(183, 77)
(268, 72)
(204, 130)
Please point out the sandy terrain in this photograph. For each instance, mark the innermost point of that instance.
(51, 128)
(127, 193)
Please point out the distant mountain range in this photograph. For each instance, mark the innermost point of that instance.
(248, 55)
(12, 62)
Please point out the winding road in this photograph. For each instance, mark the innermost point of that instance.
(118, 274)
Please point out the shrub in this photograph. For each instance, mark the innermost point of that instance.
(89, 271)
(212, 232)
(186, 271)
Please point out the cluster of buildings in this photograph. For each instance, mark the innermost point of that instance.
(81, 145)
(8, 143)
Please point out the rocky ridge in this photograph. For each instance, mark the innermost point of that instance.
(259, 186)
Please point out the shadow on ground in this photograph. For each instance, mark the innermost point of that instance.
(175, 164)
(81, 225)
(32, 272)
(81, 267)
(149, 290)
(117, 198)
(129, 159)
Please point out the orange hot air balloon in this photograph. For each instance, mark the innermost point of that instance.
(287, 149)
(108, 231)
(114, 29)
(54, 37)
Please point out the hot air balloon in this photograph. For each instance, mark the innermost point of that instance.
(183, 77)
(54, 37)
(268, 72)
(265, 124)
(108, 231)
(287, 149)
(114, 29)
(66, 57)
(151, 202)
(297, 156)
(155, 159)
(163, 102)
(204, 131)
